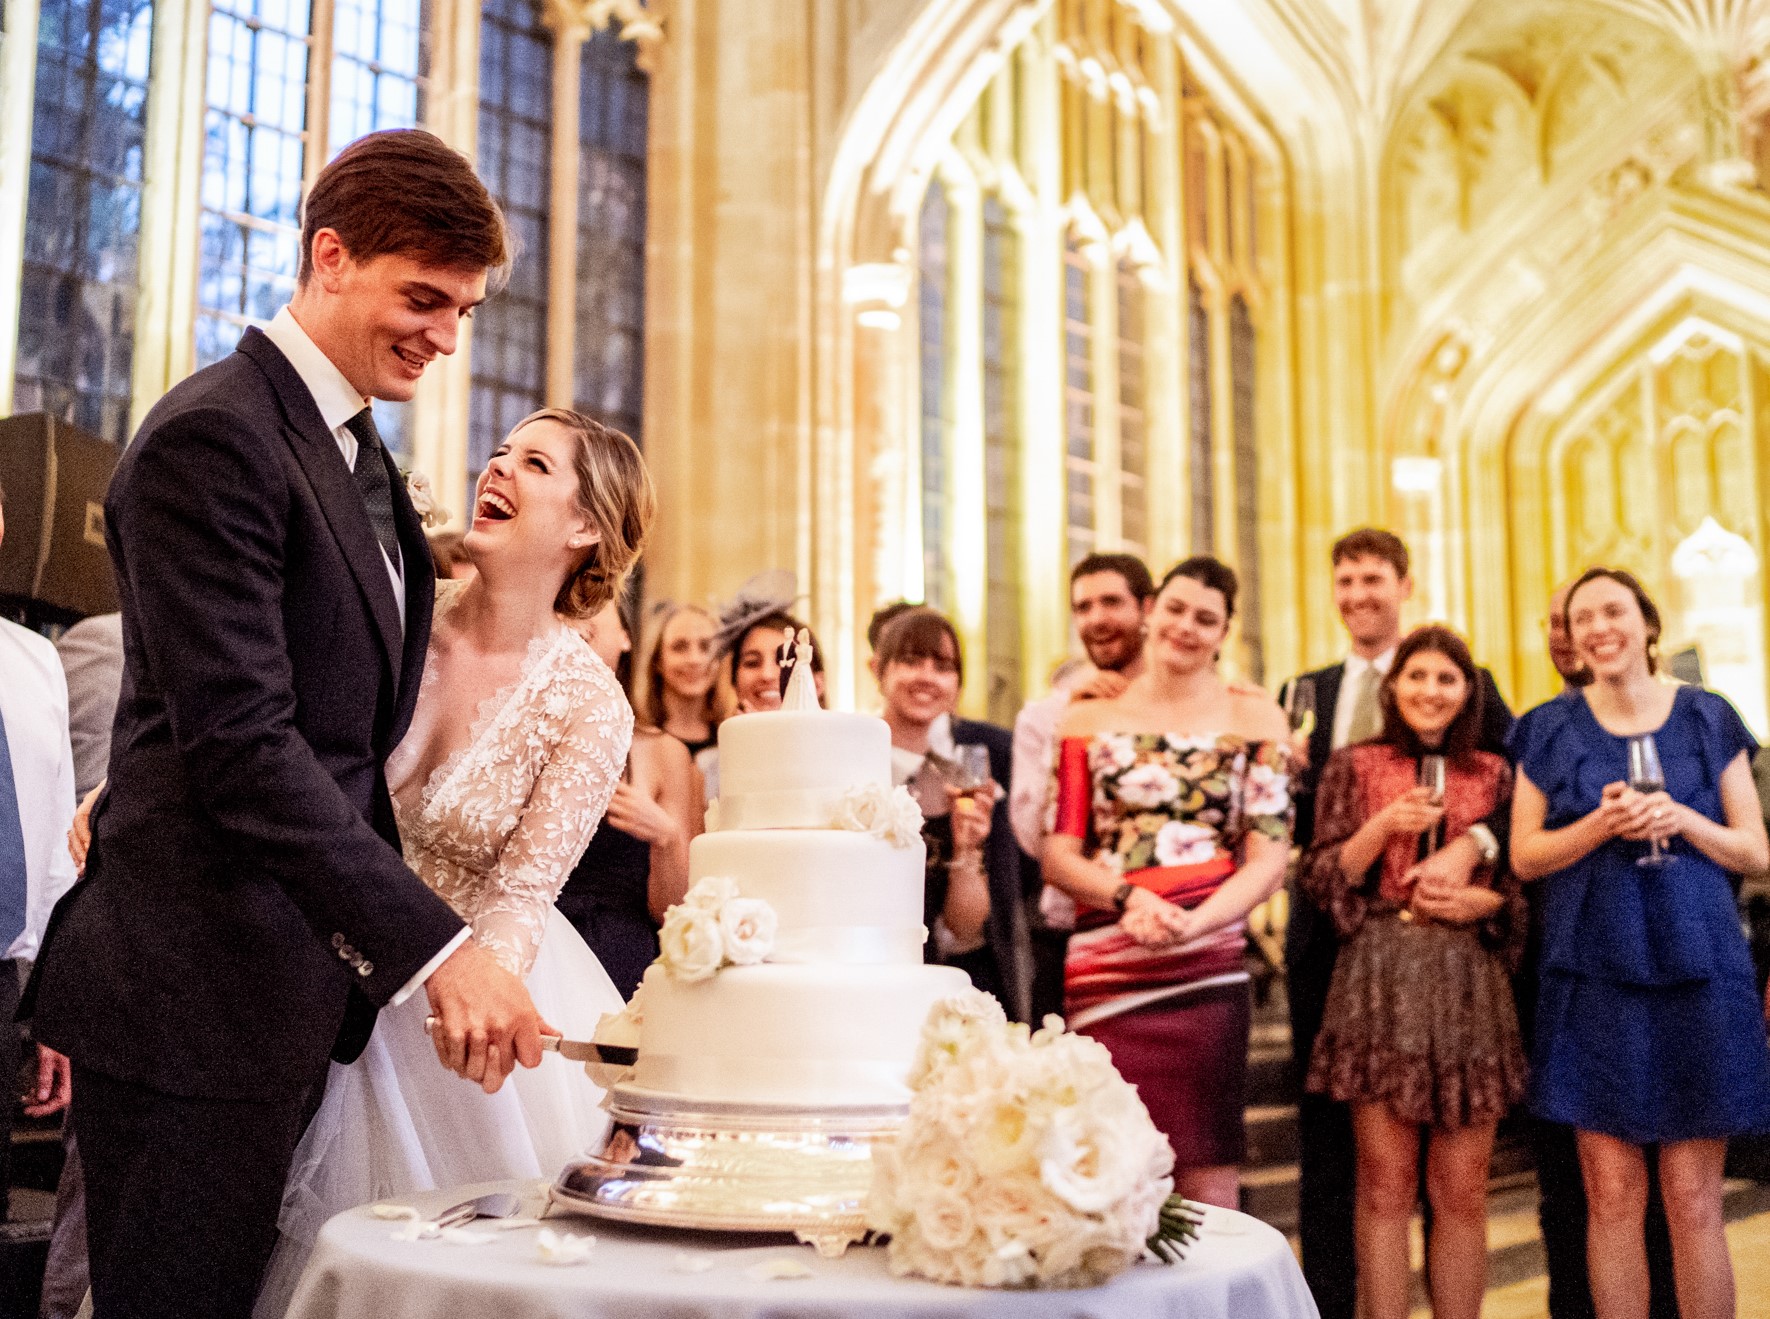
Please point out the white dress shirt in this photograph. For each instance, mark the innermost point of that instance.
(338, 402)
(1351, 674)
(34, 703)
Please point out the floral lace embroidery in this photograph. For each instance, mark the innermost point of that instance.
(499, 825)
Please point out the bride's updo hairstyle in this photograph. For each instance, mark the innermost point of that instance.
(615, 494)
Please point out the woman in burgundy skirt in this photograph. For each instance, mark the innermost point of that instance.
(1172, 808)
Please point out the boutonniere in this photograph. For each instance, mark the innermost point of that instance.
(424, 499)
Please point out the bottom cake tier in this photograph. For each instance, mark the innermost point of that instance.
(797, 1036)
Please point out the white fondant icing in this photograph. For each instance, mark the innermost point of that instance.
(790, 769)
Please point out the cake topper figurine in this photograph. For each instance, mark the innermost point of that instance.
(785, 656)
(800, 691)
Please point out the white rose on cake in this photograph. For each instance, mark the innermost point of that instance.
(888, 813)
(691, 945)
(748, 926)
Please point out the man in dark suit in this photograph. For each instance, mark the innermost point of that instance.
(245, 909)
(1371, 583)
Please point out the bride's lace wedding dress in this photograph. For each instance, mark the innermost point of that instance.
(495, 831)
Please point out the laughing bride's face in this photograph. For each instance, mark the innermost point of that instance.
(526, 511)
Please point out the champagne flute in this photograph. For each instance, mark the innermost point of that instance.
(1431, 778)
(1299, 707)
(1646, 776)
(967, 770)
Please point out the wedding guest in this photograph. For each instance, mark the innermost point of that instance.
(1561, 1195)
(972, 896)
(1173, 823)
(1110, 596)
(1648, 1028)
(636, 866)
(91, 653)
(1371, 582)
(1419, 1034)
(36, 810)
(681, 689)
(448, 551)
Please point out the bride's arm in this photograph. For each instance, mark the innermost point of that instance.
(569, 799)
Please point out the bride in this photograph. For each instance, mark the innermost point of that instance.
(515, 747)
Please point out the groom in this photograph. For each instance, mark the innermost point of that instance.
(245, 910)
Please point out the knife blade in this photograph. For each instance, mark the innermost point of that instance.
(577, 1051)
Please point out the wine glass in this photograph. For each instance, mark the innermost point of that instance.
(1645, 776)
(1299, 706)
(1431, 778)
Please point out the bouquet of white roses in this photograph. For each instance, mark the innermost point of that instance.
(1027, 1160)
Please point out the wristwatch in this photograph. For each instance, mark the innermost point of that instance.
(1122, 895)
(1485, 843)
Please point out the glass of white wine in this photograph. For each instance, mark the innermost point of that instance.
(1299, 706)
(1431, 778)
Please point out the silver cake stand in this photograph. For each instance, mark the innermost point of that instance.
(671, 1162)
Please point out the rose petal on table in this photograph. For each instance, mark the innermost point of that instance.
(688, 1262)
(395, 1213)
(563, 1247)
(416, 1230)
(780, 1269)
(462, 1236)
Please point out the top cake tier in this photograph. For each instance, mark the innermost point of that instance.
(794, 769)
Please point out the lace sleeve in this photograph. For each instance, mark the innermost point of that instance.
(577, 777)
(1337, 818)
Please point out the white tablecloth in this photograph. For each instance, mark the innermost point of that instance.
(1239, 1267)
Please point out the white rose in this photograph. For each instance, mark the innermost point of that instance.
(1147, 786)
(858, 811)
(423, 498)
(1265, 791)
(711, 892)
(1180, 844)
(1087, 1163)
(748, 926)
(945, 1220)
(691, 945)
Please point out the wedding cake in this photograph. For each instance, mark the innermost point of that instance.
(776, 1032)
(807, 826)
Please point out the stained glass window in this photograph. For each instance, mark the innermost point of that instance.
(253, 160)
(608, 375)
(380, 58)
(1243, 362)
(82, 219)
(1001, 456)
(515, 129)
(1078, 396)
(935, 273)
(1133, 430)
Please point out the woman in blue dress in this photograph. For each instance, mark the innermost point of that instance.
(1649, 1031)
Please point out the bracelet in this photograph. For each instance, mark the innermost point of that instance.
(971, 861)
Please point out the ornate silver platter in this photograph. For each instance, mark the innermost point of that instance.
(670, 1162)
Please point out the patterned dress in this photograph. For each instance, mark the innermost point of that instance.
(1419, 1014)
(495, 830)
(1170, 814)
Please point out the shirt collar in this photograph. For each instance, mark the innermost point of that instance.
(905, 765)
(1357, 664)
(335, 396)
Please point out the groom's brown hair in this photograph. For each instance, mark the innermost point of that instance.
(406, 192)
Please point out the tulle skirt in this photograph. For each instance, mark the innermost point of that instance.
(394, 1122)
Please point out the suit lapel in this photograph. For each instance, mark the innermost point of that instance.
(420, 598)
(1327, 708)
(316, 449)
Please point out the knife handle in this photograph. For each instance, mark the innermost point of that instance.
(549, 1043)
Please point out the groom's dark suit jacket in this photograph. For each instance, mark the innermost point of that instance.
(245, 908)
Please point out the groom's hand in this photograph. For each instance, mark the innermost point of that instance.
(487, 1022)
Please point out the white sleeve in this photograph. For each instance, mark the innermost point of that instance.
(1034, 730)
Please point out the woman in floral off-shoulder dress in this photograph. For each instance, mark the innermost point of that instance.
(1420, 1032)
(1171, 823)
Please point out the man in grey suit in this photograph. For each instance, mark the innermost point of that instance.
(92, 657)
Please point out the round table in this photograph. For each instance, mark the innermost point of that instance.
(1239, 1266)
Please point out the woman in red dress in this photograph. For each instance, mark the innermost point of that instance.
(1172, 823)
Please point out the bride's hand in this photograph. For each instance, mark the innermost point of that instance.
(486, 1021)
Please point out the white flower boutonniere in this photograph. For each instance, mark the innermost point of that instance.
(888, 813)
(424, 499)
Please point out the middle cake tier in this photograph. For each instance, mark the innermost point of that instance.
(838, 896)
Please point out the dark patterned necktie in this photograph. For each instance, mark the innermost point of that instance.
(372, 482)
(12, 853)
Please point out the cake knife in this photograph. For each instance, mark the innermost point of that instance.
(577, 1051)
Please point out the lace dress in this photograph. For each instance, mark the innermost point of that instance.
(1419, 1014)
(495, 830)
